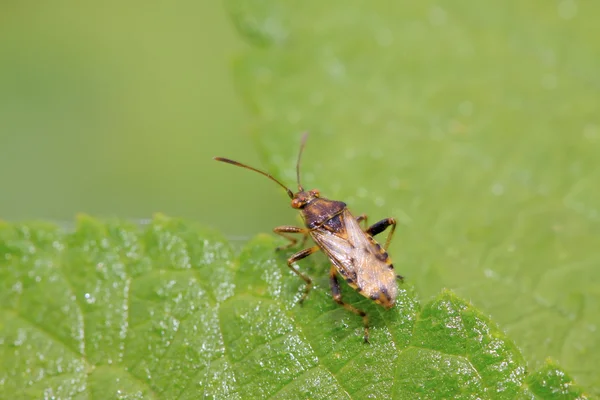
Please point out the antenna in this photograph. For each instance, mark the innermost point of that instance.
(302, 143)
(226, 160)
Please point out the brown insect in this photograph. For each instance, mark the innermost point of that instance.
(353, 252)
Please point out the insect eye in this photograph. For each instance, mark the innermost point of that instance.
(296, 203)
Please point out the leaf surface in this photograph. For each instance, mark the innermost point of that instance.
(169, 311)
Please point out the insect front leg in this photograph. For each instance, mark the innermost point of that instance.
(299, 256)
(337, 296)
(381, 226)
(282, 230)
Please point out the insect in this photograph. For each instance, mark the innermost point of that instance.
(354, 254)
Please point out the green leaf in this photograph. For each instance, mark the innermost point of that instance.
(168, 311)
(550, 382)
(474, 124)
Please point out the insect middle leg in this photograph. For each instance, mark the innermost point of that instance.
(363, 218)
(381, 226)
(299, 256)
(337, 296)
(282, 230)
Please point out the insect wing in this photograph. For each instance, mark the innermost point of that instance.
(359, 259)
(338, 248)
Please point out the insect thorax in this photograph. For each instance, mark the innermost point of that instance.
(320, 210)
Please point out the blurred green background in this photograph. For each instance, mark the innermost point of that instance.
(483, 124)
(116, 109)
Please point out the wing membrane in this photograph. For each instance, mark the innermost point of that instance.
(358, 258)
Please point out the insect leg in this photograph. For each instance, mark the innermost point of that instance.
(337, 296)
(381, 226)
(361, 218)
(299, 256)
(282, 230)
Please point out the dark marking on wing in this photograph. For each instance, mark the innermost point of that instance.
(386, 293)
(391, 266)
(352, 276)
(382, 256)
(349, 276)
(374, 296)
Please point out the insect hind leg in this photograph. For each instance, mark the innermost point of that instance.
(381, 226)
(337, 296)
